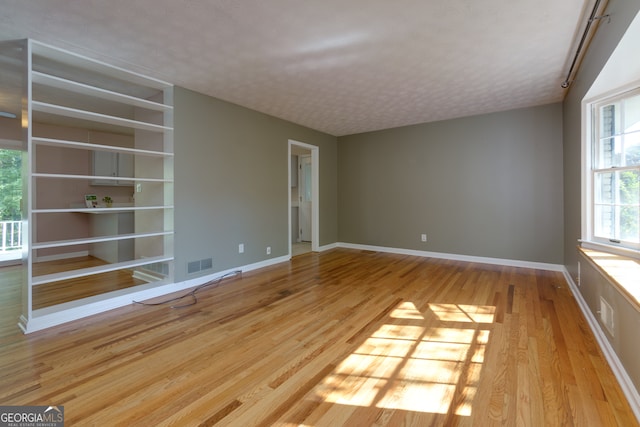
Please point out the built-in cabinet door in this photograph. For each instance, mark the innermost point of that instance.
(107, 163)
(104, 163)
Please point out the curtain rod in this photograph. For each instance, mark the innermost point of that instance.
(594, 17)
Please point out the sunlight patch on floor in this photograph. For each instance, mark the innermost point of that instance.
(463, 313)
(416, 361)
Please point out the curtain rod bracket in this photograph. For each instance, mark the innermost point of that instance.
(608, 16)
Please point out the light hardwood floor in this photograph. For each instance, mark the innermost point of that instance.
(338, 338)
(50, 294)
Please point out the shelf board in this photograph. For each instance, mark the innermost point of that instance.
(72, 242)
(83, 272)
(97, 147)
(96, 177)
(81, 88)
(59, 110)
(96, 66)
(96, 210)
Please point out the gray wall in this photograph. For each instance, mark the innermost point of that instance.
(488, 185)
(231, 168)
(592, 284)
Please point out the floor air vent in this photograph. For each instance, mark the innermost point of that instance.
(606, 316)
(196, 266)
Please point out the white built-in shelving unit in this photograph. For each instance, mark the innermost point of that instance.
(76, 106)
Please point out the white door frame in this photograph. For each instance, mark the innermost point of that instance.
(315, 192)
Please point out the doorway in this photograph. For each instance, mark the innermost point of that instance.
(303, 198)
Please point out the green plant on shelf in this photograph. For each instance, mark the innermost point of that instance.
(108, 201)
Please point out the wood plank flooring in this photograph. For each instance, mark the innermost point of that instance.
(339, 338)
(62, 291)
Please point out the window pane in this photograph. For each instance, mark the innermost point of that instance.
(632, 114)
(617, 205)
(629, 223)
(629, 187)
(609, 152)
(632, 149)
(605, 153)
(609, 120)
(605, 187)
(604, 221)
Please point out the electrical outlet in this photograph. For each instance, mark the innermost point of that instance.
(241, 248)
(423, 237)
(268, 250)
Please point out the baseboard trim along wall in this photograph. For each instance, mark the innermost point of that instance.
(456, 257)
(327, 247)
(628, 388)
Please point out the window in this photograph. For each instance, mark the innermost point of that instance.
(615, 171)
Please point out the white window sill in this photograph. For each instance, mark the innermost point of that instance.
(622, 271)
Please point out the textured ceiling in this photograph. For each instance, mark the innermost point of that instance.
(341, 67)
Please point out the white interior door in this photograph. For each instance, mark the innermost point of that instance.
(305, 192)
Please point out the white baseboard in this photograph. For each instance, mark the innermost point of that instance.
(265, 263)
(628, 388)
(327, 247)
(145, 276)
(56, 315)
(456, 257)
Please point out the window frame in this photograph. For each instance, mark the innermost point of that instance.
(591, 135)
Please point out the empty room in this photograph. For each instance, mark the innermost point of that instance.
(320, 213)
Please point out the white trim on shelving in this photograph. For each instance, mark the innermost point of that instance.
(82, 272)
(97, 147)
(75, 113)
(108, 95)
(96, 177)
(81, 241)
(103, 210)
